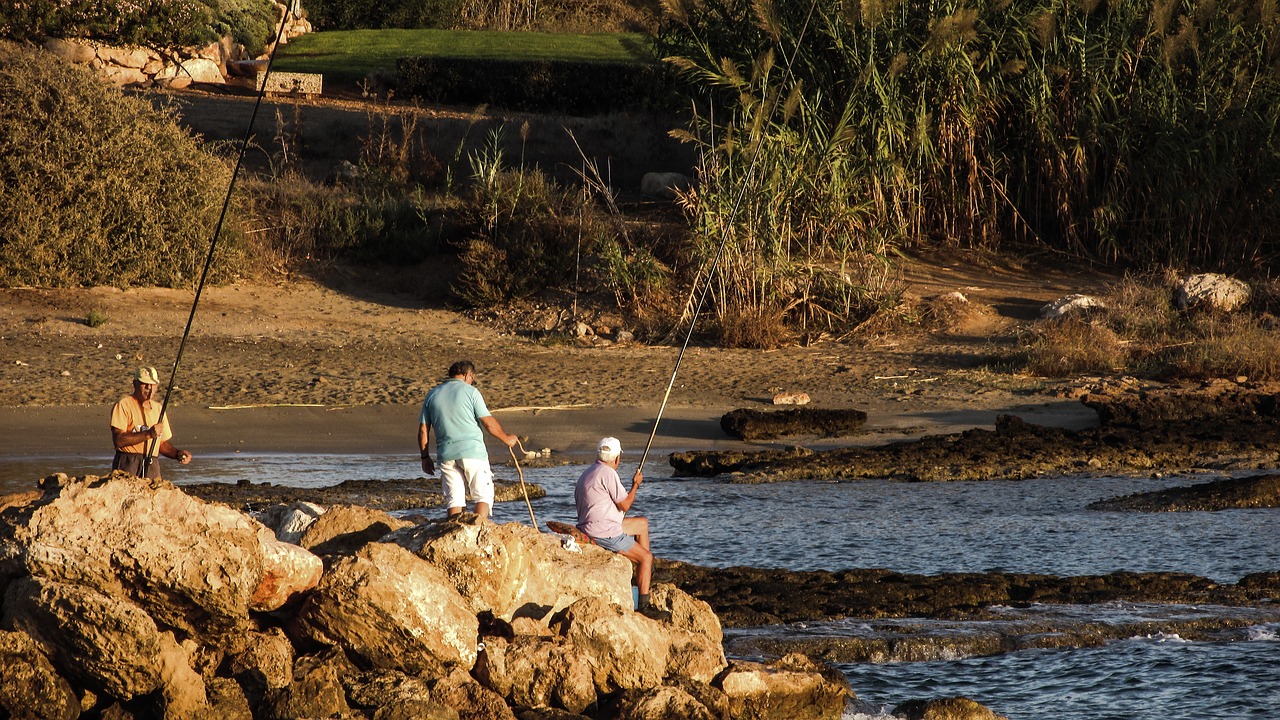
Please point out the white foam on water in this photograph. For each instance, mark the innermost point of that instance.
(1263, 633)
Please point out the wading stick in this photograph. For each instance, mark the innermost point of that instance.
(525, 489)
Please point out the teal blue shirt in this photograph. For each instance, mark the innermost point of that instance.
(453, 409)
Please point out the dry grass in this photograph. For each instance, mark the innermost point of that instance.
(1070, 346)
(1142, 333)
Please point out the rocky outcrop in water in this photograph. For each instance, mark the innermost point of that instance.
(766, 425)
(1257, 491)
(129, 598)
(1215, 426)
(743, 596)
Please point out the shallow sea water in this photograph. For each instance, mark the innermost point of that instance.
(1037, 525)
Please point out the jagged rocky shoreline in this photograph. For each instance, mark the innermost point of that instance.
(1218, 426)
(127, 598)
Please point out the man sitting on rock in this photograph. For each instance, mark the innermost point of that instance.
(602, 507)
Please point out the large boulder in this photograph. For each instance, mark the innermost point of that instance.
(316, 690)
(660, 703)
(513, 570)
(30, 687)
(793, 688)
(343, 529)
(97, 640)
(537, 671)
(697, 641)
(390, 610)
(195, 566)
(626, 649)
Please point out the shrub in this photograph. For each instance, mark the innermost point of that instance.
(305, 221)
(99, 188)
(95, 318)
(155, 23)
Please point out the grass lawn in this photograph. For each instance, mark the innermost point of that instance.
(353, 54)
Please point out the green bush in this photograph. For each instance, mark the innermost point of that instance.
(149, 23)
(97, 188)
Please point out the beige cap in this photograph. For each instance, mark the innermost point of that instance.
(147, 376)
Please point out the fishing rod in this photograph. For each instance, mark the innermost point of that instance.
(213, 245)
(724, 241)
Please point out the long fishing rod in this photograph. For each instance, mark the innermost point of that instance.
(724, 241)
(213, 245)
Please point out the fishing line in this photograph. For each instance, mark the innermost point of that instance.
(715, 262)
(213, 245)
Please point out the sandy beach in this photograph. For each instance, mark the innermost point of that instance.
(307, 367)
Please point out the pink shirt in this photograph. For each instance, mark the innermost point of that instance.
(598, 491)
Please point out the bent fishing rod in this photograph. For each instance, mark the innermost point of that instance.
(213, 244)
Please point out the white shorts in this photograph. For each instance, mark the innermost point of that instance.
(466, 477)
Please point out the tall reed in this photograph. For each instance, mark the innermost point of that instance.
(1134, 132)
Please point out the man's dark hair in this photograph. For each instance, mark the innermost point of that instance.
(460, 368)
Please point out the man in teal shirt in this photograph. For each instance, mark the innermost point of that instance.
(457, 411)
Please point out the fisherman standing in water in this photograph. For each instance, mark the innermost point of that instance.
(457, 411)
(136, 427)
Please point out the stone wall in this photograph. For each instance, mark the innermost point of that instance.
(216, 62)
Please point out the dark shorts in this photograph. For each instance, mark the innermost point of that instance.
(132, 464)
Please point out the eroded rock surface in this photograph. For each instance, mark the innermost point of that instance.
(766, 425)
(386, 495)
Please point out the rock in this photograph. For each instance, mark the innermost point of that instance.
(29, 685)
(717, 462)
(287, 571)
(227, 700)
(794, 688)
(660, 703)
(194, 566)
(70, 51)
(791, 398)
(1211, 291)
(697, 641)
(293, 520)
(345, 529)
(472, 700)
(191, 70)
(1257, 491)
(767, 425)
(393, 695)
(260, 662)
(123, 76)
(664, 185)
(956, 708)
(626, 649)
(391, 611)
(183, 694)
(92, 638)
(316, 690)
(623, 336)
(535, 671)
(513, 570)
(1071, 305)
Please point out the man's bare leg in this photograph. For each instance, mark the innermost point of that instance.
(637, 527)
(644, 566)
(482, 509)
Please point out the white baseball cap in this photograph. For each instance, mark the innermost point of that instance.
(609, 447)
